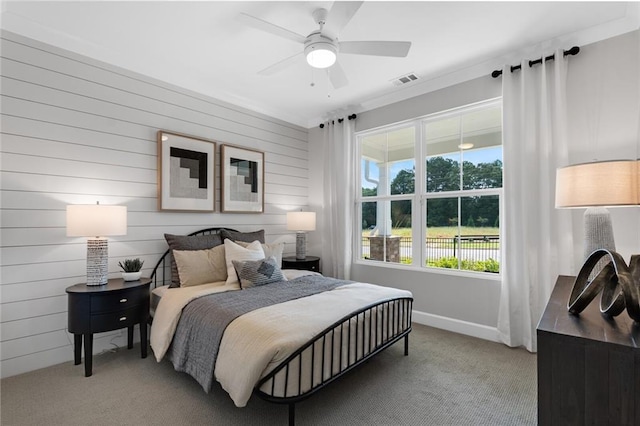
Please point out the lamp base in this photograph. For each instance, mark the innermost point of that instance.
(301, 245)
(97, 261)
(598, 234)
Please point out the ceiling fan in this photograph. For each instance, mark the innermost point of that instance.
(321, 47)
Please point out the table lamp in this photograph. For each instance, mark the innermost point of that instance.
(596, 186)
(97, 222)
(301, 222)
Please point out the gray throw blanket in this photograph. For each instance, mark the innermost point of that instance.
(197, 338)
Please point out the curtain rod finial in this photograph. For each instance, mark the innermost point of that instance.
(573, 51)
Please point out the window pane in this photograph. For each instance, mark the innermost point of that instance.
(475, 244)
(378, 244)
(442, 138)
(442, 229)
(467, 147)
(479, 242)
(369, 214)
(388, 163)
(399, 243)
(370, 173)
(482, 149)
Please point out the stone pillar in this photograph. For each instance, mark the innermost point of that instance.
(377, 248)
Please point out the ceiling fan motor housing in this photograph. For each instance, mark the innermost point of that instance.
(320, 51)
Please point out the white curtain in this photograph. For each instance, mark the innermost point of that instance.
(538, 239)
(338, 198)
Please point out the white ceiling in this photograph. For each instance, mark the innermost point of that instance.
(202, 46)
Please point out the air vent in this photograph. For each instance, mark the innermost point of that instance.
(404, 79)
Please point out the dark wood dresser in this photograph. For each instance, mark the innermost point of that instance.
(588, 365)
(115, 305)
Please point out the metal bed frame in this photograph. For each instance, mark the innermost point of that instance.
(349, 342)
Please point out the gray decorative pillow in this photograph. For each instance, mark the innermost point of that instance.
(252, 273)
(247, 237)
(189, 242)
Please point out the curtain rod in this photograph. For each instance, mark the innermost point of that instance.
(573, 51)
(340, 120)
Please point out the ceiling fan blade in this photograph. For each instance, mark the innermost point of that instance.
(279, 66)
(398, 49)
(339, 16)
(337, 77)
(262, 25)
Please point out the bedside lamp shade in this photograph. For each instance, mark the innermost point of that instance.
(301, 222)
(606, 184)
(96, 221)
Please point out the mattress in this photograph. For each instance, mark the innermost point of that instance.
(156, 295)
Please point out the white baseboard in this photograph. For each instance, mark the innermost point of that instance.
(457, 326)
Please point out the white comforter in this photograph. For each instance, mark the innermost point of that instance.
(255, 343)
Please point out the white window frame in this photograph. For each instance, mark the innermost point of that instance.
(420, 196)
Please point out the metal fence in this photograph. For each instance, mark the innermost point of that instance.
(465, 247)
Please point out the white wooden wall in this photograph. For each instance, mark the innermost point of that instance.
(75, 130)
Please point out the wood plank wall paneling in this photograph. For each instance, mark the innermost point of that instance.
(75, 130)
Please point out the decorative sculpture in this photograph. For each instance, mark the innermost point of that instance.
(619, 284)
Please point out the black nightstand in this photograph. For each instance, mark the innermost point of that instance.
(309, 263)
(115, 305)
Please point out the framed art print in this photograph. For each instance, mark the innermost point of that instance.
(185, 173)
(242, 177)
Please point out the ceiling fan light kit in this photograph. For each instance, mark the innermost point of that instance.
(320, 51)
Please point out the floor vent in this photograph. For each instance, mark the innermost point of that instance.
(404, 79)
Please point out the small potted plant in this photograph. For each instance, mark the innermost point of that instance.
(131, 269)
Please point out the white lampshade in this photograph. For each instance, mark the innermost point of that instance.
(606, 184)
(301, 221)
(96, 220)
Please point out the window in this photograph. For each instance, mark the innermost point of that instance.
(431, 191)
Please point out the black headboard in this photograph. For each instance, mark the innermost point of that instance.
(161, 273)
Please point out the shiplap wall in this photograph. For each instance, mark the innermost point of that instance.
(76, 131)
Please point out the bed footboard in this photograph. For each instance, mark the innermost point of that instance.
(336, 350)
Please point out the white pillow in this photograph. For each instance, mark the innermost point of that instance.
(233, 251)
(274, 249)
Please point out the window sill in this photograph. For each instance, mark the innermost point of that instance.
(445, 271)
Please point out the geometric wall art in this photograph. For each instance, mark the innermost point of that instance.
(185, 173)
(242, 180)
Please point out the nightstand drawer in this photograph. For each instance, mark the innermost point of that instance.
(309, 263)
(118, 301)
(115, 320)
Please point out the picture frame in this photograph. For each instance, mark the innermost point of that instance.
(186, 178)
(242, 180)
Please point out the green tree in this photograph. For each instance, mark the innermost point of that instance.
(441, 210)
(443, 174)
(404, 182)
(369, 192)
(482, 175)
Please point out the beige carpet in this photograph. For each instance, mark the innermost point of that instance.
(447, 379)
